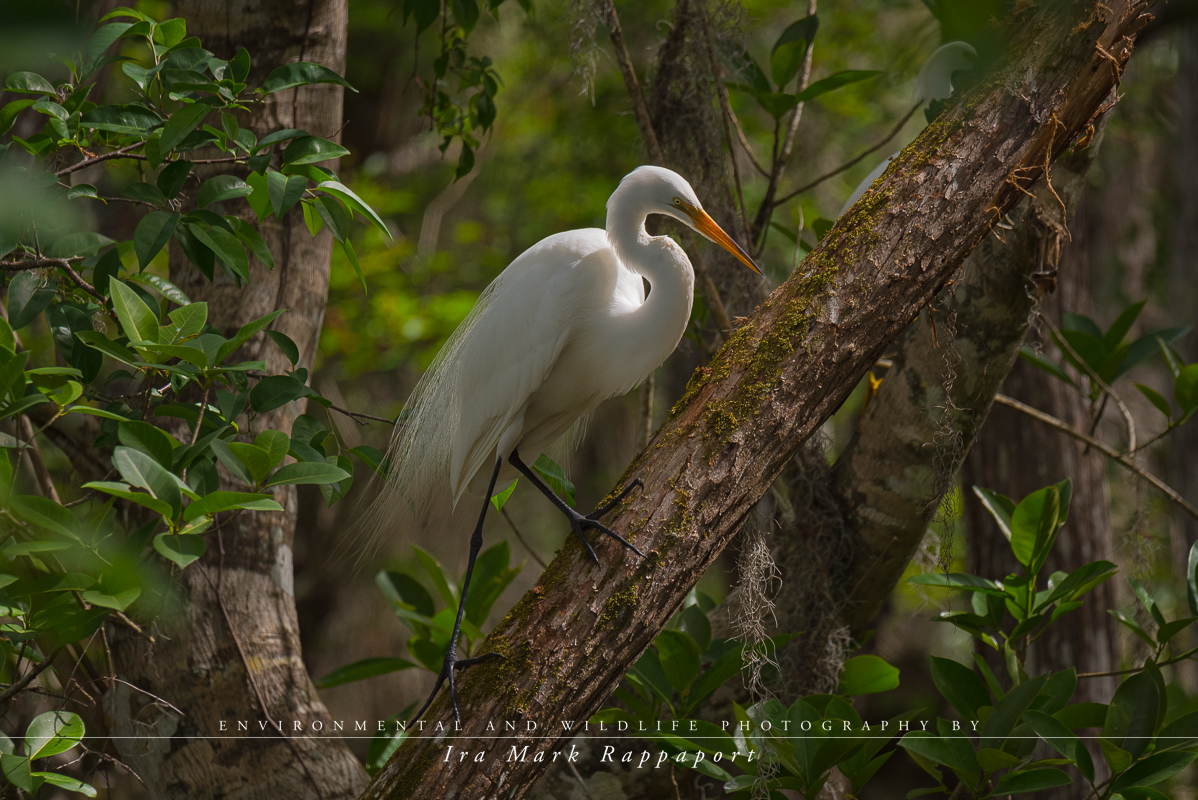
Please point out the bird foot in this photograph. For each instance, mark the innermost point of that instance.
(448, 666)
(578, 522)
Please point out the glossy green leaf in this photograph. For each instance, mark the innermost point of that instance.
(867, 675)
(343, 193)
(181, 123)
(1008, 710)
(152, 234)
(1135, 712)
(250, 237)
(225, 246)
(555, 477)
(960, 686)
(46, 514)
(53, 732)
(29, 83)
(221, 188)
(360, 670)
(1032, 780)
(301, 73)
(139, 469)
(179, 549)
(1034, 523)
(138, 321)
(1061, 739)
(311, 150)
(307, 472)
(173, 177)
(28, 295)
(130, 119)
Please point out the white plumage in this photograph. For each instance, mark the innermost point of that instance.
(566, 326)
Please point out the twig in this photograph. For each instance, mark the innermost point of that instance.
(87, 162)
(35, 458)
(848, 164)
(1173, 660)
(195, 435)
(42, 262)
(520, 536)
(1111, 452)
(729, 118)
(578, 777)
(37, 669)
(358, 416)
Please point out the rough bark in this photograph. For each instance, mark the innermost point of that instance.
(230, 649)
(781, 374)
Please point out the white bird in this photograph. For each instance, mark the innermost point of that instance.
(566, 326)
(935, 79)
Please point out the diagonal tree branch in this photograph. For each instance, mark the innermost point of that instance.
(779, 376)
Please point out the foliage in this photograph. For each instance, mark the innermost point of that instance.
(431, 626)
(171, 396)
(49, 734)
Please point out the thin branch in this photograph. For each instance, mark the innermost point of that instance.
(41, 262)
(1111, 452)
(729, 118)
(35, 458)
(358, 416)
(37, 669)
(87, 162)
(848, 164)
(1127, 417)
(519, 536)
(1173, 660)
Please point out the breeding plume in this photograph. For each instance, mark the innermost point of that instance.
(566, 326)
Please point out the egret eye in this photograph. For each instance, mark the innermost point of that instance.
(678, 201)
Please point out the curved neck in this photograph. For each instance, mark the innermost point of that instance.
(661, 320)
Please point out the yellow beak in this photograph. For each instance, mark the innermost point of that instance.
(708, 227)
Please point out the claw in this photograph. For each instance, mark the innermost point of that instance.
(448, 667)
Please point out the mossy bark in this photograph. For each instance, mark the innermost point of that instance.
(777, 379)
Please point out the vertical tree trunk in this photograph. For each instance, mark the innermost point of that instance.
(231, 653)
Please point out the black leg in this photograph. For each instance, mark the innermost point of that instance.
(452, 662)
(578, 521)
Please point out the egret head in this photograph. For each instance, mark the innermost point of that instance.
(666, 192)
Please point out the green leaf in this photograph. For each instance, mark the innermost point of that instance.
(1001, 507)
(125, 492)
(29, 83)
(276, 391)
(301, 73)
(678, 655)
(445, 588)
(139, 469)
(867, 675)
(243, 335)
(787, 54)
(186, 322)
(1156, 399)
(285, 344)
(356, 203)
(492, 574)
(46, 514)
(1034, 523)
(1062, 739)
(225, 246)
(152, 234)
(1154, 769)
(1082, 715)
(275, 443)
(334, 216)
(28, 296)
(154, 442)
(216, 502)
(81, 243)
(1032, 780)
(137, 320)
(179, 549)
(960, 686)
(1135, 712)
(181, 123)
(16, 769)
(553, 475)
(500, 499)
(250, 237)
(67, 782)
(256, 460)
(311, 150)
(285, 191)
(1119, 328)
(360, 670)
(144, 192)
(307, 472)
(952, 751)
(119, 601)
(1132, 626)
(134, 120)
(695, 624)
(835, 81)
(222, 187)
(1185, 388)
(347, 247)
(958, 580)
(173, 177)
(53, 732)
(1008, 710)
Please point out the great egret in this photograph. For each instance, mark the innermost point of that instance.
(566, 326)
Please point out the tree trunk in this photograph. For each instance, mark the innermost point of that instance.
(781, 374)
(231, 652)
